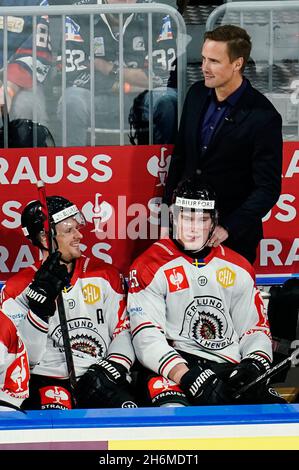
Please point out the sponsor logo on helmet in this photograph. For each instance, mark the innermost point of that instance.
(65, 213)
(91, 294)
(226, 277)
(176, 278)
(194, 203)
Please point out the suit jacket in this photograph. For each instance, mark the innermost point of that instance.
(243, 162)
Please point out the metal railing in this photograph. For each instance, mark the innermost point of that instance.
(93, 10)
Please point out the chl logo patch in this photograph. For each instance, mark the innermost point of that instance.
(176, 278)
(91, 294)
(226, 277)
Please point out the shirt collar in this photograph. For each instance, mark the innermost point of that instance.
(233, 98)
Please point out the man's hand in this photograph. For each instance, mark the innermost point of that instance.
(104, 385)
(9, 94)
(48, 282)
(220, 234)
(203, 387)
(251, 367)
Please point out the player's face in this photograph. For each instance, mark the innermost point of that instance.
(218, 70)
(68, 236)
(193, 229)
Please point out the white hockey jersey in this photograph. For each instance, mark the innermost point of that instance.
(210, 308)
(14, 368)
(96, 315)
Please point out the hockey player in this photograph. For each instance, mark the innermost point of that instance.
(197, 319)
(96, 316)
(107, 72)
(17, 96)
(14, 367)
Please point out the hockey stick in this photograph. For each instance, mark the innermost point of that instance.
(60, 305)
(269, 373)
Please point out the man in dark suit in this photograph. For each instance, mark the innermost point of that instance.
(231, 134)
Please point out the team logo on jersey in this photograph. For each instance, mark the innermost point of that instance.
(166, 29)
(72, 30)
(205, 322)
(138, 43)
(91, 294)
(99, 46)
(176, 278)
(158, 165)
(84, 337)
(226, 277)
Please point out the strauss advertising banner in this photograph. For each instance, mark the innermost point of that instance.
(119, 189)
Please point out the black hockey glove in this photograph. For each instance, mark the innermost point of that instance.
(203, 387)
(104, 385)
(251, 367)
(48, 282)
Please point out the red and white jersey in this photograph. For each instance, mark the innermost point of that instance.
(14, 367)
(96, 316)
(210, 308)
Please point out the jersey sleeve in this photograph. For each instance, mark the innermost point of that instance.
(120, 349)
(15, 306)
(147, 311)
(250, 320)
(14, 371)
(34, 332)
(13, 299)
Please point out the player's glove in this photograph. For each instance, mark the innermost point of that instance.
(203, 387)
(104, 385)
(48, 282)
(251, 367)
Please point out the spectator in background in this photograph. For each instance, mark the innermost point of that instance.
(96, 316)
(107, 72)
(17, 98)
(231, 134)
(14, 367)
(164, 95)
(198, 322)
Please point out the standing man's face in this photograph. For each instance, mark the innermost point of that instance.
(218, 70)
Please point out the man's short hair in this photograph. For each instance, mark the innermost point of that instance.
(237, 39)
